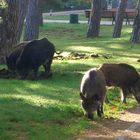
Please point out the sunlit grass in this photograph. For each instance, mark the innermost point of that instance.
(50, 109)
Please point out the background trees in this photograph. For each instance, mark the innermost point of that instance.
(22, 11)
(8, 28)
(119, 18)
(94, 23)
(135, 37)
(32, 21)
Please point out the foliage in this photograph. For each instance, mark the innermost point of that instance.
(134, 2)
(3, 4)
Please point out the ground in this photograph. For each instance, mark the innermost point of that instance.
(127, 127)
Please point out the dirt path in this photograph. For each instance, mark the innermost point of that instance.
(126, 128)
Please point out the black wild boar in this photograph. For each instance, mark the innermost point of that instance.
(34, 54)
(121, 75)
(12, 58)
(92, 92)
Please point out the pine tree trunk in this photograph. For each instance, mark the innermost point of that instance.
(23, 5)
(119, 18)
(135, 37)
(8, 29)
(32, 21)
(95, 18)
(40, 13)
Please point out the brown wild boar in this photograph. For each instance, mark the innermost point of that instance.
(124, 76)
(92, 92)
(136, 90)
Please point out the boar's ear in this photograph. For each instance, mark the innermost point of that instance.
(82, 96)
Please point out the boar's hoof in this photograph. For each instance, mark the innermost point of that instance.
(89, 116)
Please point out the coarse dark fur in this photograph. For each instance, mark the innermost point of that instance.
(12, 58)
(34, 54)
(121, 75)
(92, 92)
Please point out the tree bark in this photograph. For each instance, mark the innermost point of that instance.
(8, 29)
(23, 5)
(119, 18)
(32, 21)
(40, 11)
(135, 37)
(95, 18)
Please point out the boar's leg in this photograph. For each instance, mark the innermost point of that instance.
(47, 67)
(136, 94)
(124, 94)
(89, 116)
(137, 99)
(99, 109)
(35, 70)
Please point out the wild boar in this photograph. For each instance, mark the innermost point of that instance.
(34, 54)
(12, 58)
(121, 75)
(92, 92)
(136, 90)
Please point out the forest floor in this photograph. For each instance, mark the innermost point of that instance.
(127, 127)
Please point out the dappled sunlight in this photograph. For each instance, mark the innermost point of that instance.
(34, 100)
(84, 48)
(115, 46)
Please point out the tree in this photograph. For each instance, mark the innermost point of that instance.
(95, 18)
(32, 21)
(40, 12)
(23, 5)
(8, 28)
(119, 18)
(135, 37)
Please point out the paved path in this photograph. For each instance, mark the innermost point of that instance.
(126, 128)
(65, 12)
(81, 22)
(131, 116)
(73, 12)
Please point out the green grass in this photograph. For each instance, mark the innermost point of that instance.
(50, 109)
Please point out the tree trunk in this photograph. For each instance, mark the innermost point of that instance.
(95, 18)
(32, 21)
(8, 29)
(23, 5)
(135, 37)
(40, 11)
(119, 18)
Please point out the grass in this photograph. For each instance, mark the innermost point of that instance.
(50, 109)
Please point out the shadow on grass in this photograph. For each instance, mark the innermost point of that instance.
(20, 118)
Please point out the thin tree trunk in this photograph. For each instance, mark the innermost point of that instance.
(119, 18)
(32, 21)
(40, 13)
(135, 37)
(95, 18)
(8, 29)
(23, 5)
